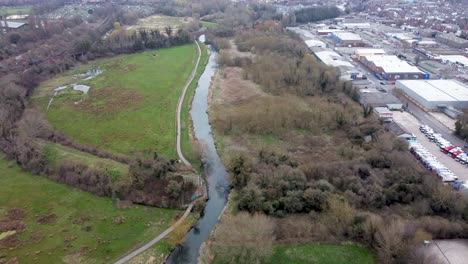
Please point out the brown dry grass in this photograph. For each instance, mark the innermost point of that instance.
(109, 101)
(231, 88)
(128, 69)
(48, 219)
(10, 225)
(234, 52)
(239, 102)
(10, 242)
(16, 214)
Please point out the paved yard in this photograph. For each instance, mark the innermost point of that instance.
(454, 251)
(445, 120)
(410, 123)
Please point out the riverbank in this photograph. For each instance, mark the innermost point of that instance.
(218, 184)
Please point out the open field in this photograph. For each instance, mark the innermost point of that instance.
(8, 11)
(62, 224)
(321, 254)
(131, 105)
(161, 21)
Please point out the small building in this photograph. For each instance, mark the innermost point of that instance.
(433, 95)
(384, 113)
(390, 67)
(367, 52)
(355, 24)
(347, 39)
(452, 40)
(328, 31)
(315, 43)
(459, 60)
(427, 43)
(7, 26)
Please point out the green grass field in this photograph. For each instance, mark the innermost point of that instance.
(8, 11)
(209, 25)
(131, 106)
(321, 254)
(88, 229)
(57, 154)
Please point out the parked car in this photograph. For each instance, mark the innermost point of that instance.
(447, 149)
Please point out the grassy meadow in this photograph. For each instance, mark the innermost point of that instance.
(321, 254)
(20, 10)
(62, 224)
(161, 21)
(131, 106)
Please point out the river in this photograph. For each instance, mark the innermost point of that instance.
(217, 177)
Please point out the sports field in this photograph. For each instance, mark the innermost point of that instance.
(130, 107)
(56, 223)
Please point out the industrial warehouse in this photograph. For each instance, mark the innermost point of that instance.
(390, 67)
(435, 94)
(347, 39)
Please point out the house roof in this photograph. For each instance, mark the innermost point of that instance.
(11, 24)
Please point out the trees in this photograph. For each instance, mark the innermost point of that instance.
(312, 14)
(244, 238)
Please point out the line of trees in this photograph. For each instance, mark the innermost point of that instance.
(313, 14)
(461, 126)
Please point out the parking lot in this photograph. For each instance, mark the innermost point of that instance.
(410, 123)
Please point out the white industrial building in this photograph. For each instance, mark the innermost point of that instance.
(368, 52)
(390, 67)
(333, 59)
(315, 43)
(455, 59)
(361, 25)
(434, 94)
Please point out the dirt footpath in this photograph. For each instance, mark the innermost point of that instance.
(410, 123)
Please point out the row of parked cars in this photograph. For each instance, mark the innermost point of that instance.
(445, 146)
(431, 162)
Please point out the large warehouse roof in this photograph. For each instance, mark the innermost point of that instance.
(347, 36)
(369, 51)
(332, 59)
(392, 64)
(437, 90)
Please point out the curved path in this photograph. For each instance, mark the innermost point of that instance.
(182, 158)
(179, 109)
(155, 240)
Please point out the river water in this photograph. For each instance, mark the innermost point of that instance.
(217, 177)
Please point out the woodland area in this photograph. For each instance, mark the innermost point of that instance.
(461, 126)
(334, 173)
